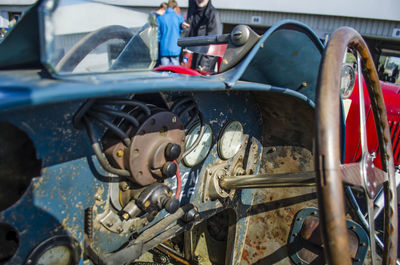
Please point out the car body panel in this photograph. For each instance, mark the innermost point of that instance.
(270, 91)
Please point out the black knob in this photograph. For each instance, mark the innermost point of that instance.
(172, 205)
(172, 151)
(169, 169)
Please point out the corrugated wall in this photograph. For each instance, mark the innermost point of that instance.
(320, 24)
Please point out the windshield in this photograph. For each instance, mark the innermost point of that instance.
(83, 36)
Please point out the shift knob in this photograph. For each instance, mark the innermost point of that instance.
(169, 169)
(172, 151)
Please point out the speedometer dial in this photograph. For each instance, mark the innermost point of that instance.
(230, 140)
(55, 250)
(58, 255)
(203, 147)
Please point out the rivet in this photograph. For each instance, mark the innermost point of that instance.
(109, 224)
(146, 204)
(126, 216)
(120, 153)
(124, 186)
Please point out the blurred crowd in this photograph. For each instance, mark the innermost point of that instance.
(202, 19)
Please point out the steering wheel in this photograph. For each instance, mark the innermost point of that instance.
(331, 173)
(82, 48)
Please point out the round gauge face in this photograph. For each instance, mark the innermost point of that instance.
(199, 153)
(58, 255)
(347, 81)
(230, 140)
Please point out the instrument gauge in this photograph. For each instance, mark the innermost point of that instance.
(56, 250)
(60, 255)
(230, 139)
(200, 152)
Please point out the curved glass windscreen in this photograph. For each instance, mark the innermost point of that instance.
(82, 36)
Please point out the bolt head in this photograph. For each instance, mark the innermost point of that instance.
(120, 153)
(126, 216)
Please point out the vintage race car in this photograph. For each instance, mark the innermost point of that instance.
(104, 160)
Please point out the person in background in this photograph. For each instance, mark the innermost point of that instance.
(169, 29)
(161, 10)
(203, 20)
(13, 21)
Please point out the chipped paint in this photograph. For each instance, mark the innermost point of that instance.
(273, 210)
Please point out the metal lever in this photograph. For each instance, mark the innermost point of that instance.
(268, 180)
(204, 40)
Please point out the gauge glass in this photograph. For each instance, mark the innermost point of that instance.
(201, 151)
(230, 140)
(58, 255)
(347, 81)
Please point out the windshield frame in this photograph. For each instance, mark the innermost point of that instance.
(47, 37)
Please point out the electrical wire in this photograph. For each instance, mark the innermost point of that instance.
(141, 105)
(121, 134)
(181, 102)
(178, 182)
(115, 113)
(98, 152)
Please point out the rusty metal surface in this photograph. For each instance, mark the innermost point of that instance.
(145, 157)
(287, 120)
(272, 210)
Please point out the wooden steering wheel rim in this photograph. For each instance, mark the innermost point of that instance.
(328, 153)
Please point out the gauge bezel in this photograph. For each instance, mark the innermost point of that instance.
(347, 91)
(221, 135)
(197, 124)
(55, 241)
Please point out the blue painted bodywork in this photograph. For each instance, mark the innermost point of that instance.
(284, 61)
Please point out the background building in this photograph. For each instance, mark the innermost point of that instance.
(377, 21)
(10, 8)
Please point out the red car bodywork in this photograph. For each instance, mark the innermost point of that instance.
(391, 94)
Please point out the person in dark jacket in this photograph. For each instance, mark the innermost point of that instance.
(203, 20)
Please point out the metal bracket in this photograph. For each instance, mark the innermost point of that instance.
(297, 243)
(244, 162)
